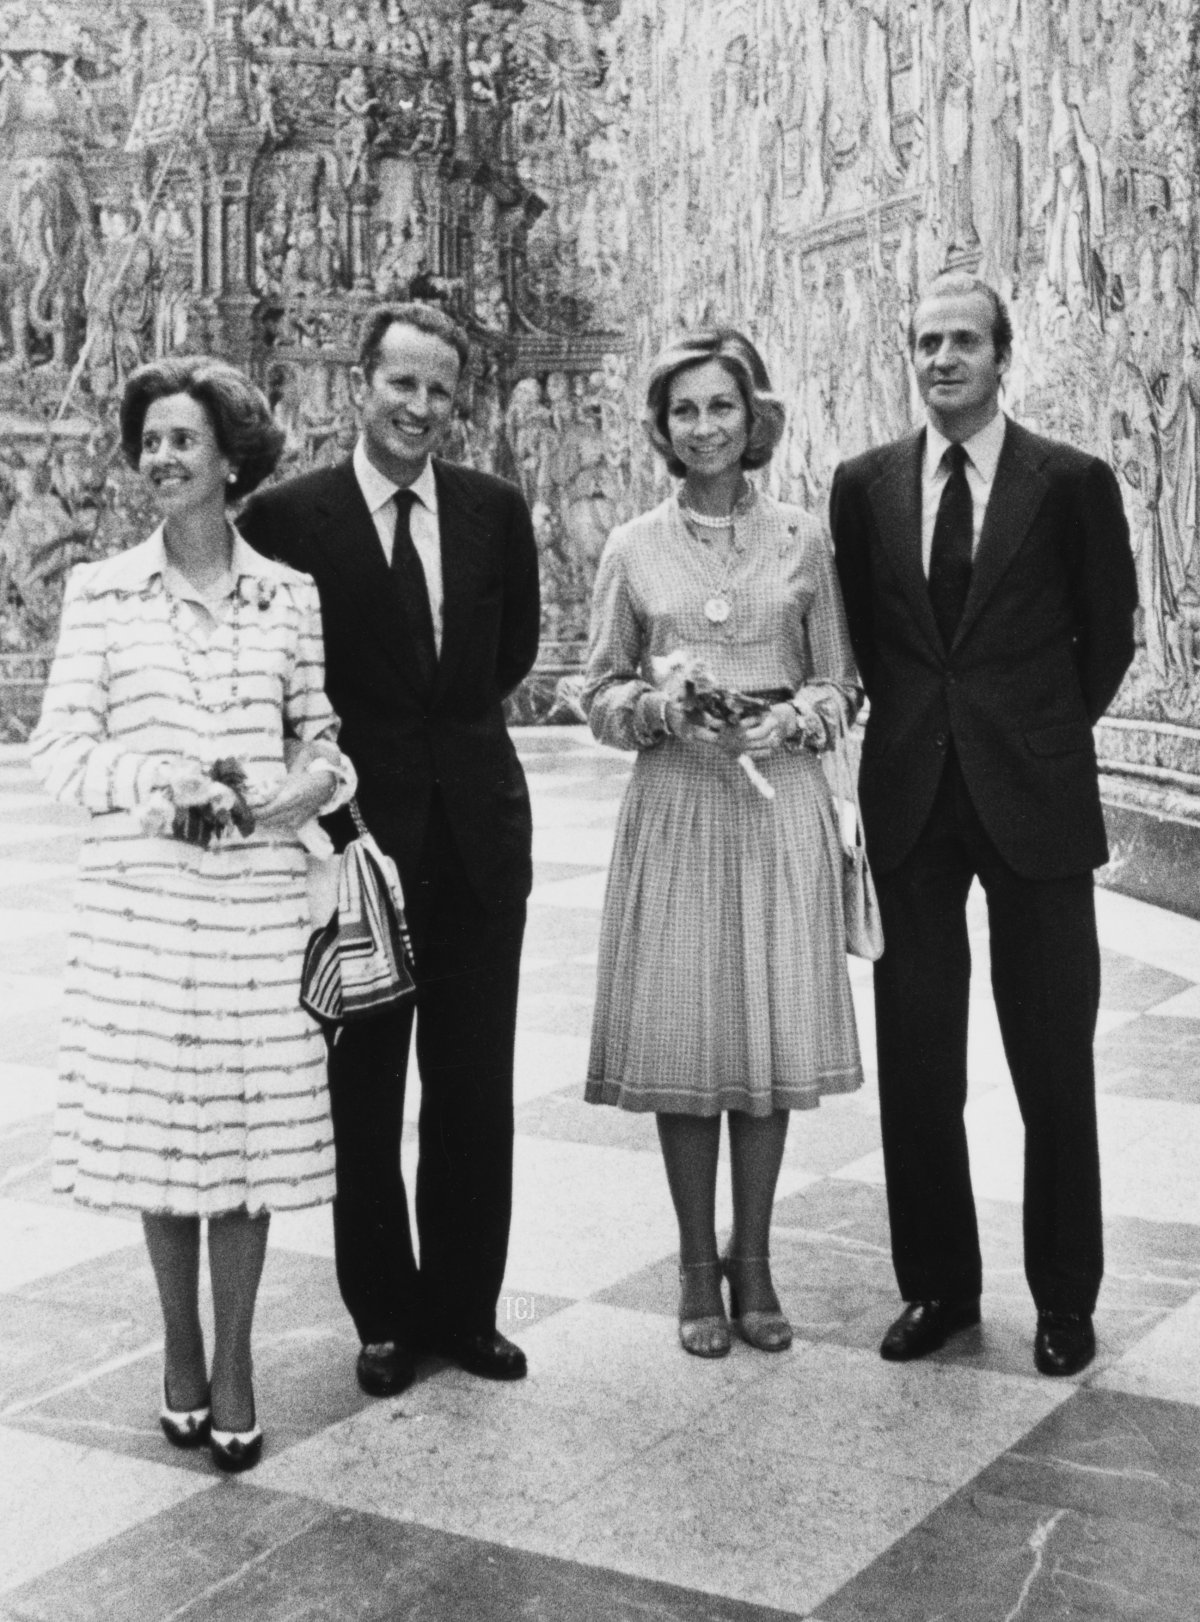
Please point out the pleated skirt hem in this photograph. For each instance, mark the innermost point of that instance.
(683, 1101)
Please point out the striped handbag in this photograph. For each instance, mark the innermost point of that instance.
(360, 963)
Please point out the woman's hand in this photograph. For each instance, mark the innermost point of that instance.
(302, 795)
(690, 727)
(763, 735)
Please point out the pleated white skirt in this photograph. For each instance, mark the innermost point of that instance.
(192, 1082)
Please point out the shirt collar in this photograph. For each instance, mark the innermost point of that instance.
(378, 489)
(142, 564)
(983, 448)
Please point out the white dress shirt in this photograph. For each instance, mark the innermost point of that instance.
(378, 491)
(983, 452)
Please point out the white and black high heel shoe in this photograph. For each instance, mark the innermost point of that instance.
(184, 1427)
(236, 1450)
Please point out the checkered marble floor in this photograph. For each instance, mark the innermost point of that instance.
(622, 1479)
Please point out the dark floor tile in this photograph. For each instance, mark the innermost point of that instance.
(982, 1558)
(44, 1345)
(1156, 1056)
(1128, 983)
(298, 1292)
(831, 1255)
(303, 1382)
(518, 1310)
(565, 1117)
(606, 776)
(1108, 1453)
(246, 1554)
(554, 872)
(533, 742)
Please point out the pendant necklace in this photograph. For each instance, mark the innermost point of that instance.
(179, 631)
(719, 606)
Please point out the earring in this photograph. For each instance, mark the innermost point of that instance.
(231, 478)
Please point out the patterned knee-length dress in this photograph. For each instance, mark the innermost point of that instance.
(722, 979)
(191, 1081)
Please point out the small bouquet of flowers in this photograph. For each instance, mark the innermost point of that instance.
(687, 679)
(199, 807)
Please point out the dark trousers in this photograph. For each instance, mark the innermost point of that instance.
(1046, 985)
(467, 968)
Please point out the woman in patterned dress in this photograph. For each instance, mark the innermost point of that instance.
(193, 1084)
(722, 982)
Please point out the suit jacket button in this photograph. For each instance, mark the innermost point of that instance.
(940, 740)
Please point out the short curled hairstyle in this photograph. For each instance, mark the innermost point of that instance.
(428, 318)
(961, 282)
(733, 351)
(240, 416)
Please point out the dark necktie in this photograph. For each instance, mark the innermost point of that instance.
(953, 541)
(414, 591)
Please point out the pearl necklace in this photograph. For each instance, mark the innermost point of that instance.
(709, 520)
(179, 632)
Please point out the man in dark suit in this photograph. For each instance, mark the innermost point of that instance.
(427, 574)
(990, 593)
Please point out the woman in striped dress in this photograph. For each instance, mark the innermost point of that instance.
(193, 1084)
(722, 980)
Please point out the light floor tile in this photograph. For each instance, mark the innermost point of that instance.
(546, 1062)
(1150, 1151)
(309, 1231)
(1165, 940)
(779, 1529)
(30, 994)
(1111, 1019)
(26, 1090)
(106, 1494)
(19, 923)
(30, 833)
(611, 1361)
(17, 803)
(579, 845)
(557, 811)
(27, 872)
(1166, 1363)
(586, 890)
(44, 1239)
(470, 1458)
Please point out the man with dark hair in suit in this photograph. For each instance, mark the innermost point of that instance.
(990, 591)
(427, 574)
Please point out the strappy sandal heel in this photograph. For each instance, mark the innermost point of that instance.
(708, 1336)
(766, 1331)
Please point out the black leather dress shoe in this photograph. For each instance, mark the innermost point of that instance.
(488, 1354)
(1065, 1342)
(385, 1369)
(923, 1326)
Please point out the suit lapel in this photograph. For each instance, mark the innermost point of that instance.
(1017, 492)
(895, 498)
(345, 534)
